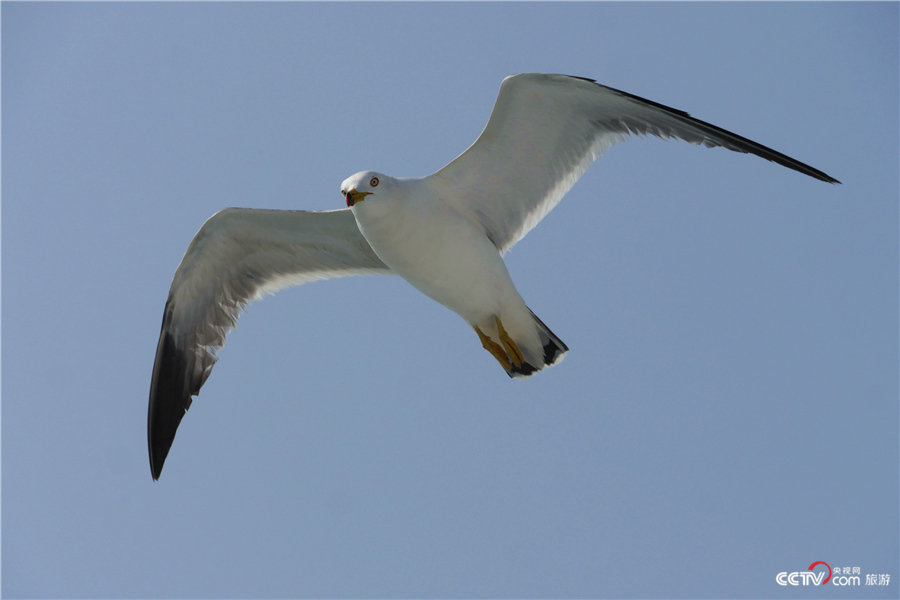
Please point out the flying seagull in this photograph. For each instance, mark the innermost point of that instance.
(445, 233)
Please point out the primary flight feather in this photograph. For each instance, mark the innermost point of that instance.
(444, 233)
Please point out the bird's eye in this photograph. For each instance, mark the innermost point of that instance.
(373, 182)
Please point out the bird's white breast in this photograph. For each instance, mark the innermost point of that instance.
(442, 254)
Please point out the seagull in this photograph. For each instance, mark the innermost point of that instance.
(445, 233)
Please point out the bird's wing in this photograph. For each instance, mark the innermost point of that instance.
(544, 132)
(236, 257)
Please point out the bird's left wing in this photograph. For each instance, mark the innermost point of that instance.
(545, 131)
(236, 257)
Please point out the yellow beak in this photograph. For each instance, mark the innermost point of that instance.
(353, 197)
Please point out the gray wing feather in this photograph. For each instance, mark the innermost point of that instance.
(236, 257)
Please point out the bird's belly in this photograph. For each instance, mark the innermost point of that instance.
(454, 264)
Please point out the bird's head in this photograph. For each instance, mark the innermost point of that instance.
(355, 188)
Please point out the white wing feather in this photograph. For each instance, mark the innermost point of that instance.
(544, 132)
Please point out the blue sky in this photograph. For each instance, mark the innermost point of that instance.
(729, 406)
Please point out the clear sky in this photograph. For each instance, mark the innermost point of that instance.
(729, 406)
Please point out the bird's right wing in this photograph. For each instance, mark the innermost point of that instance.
(545, 131)
(237, 256)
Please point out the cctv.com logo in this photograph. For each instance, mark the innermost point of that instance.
(818, 573)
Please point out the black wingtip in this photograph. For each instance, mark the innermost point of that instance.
(170, 397)
(742, 144)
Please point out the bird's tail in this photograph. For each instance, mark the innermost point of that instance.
(553, 350)
(529, 352)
